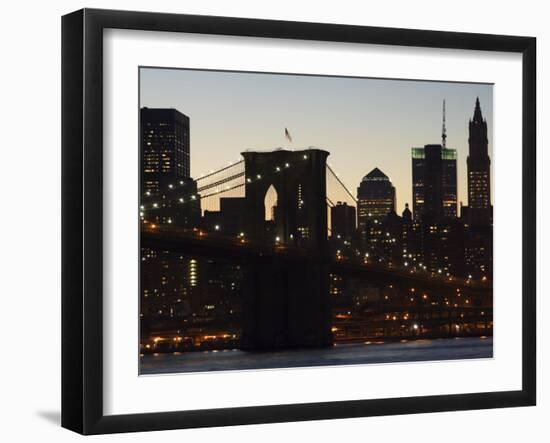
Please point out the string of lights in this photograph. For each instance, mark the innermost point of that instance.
(200, 190)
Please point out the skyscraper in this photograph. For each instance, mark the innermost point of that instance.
(164, 148)
(375, 198)
(434, 182)
(435, 235)
(168, 280)
(165, 167)
(478, 215)
(479, 211)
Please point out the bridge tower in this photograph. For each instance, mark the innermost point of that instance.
(286, 299)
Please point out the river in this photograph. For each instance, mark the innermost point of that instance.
(341, 354)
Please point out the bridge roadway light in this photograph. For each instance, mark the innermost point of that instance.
(217, 227)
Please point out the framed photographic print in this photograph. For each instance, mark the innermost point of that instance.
(269, 221)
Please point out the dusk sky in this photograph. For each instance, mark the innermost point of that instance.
(364, 123)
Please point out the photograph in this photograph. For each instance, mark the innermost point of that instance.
(299, 220)
(274, 221)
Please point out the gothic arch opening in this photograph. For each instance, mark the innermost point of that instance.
(270, 203)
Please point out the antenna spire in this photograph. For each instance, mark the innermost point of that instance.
(444, 129)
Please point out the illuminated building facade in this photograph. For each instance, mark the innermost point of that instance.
(375, 199)
(169, 282)
(478, 215)
(479, 210)
(164, 148)
(435, 235)
(165, 167)
(434, 182)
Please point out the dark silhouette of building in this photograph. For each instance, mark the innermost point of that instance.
(411, 245)
(375, 199)
(434, 182)
(479, 210)
(286, 302)
(343, 221)
(229, 220)
(478, 250)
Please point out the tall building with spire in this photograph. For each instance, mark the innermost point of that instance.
(434, 179)
(478, 215)
(479, 210)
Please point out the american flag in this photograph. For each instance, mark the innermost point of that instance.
(287, 135)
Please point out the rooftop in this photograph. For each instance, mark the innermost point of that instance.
(375, 175)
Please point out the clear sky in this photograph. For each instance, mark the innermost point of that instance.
(364, 123)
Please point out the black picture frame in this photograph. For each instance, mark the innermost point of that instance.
(82, 232)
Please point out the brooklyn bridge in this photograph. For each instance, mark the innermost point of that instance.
(269, 215)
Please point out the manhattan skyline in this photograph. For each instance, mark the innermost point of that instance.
(376, 120)
(250, 241)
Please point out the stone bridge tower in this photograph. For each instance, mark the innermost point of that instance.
(286, 299)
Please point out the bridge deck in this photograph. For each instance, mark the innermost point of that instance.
(200, 243)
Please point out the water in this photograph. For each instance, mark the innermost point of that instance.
(342, 354)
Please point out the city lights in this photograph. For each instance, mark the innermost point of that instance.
(423, 277)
